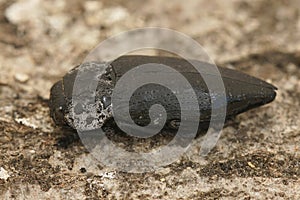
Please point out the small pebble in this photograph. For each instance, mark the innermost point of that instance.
(32, 151)
(4, 174)
(291, 68)
(22, 78)
(163, 171)
(251, 165)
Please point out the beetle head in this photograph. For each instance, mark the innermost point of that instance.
(57, 103)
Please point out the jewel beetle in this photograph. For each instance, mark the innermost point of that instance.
(243, 92)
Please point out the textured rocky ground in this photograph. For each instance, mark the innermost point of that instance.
(258, 154)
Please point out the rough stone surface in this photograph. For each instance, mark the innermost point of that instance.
(258, 155)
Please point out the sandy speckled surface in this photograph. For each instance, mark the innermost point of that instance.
(258, 155)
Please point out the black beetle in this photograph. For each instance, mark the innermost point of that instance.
(243, 92)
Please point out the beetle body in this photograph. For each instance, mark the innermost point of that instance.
(243, 92)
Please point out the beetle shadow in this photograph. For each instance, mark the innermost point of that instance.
(116, 135)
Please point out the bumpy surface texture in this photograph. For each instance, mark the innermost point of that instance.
(258, 154)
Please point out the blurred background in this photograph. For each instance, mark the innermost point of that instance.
(40, 40)
(46, 38)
